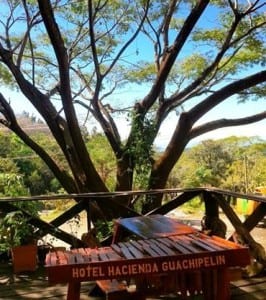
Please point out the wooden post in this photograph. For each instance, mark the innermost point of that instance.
(211, 224)
(211, 205)
(73, 290)
(88, 214)
(253, 219)
(257, 249)
(223, 283)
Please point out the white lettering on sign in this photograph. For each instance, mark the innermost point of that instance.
(133, 269)
(129, 269)
(194, 263)
(87, 272)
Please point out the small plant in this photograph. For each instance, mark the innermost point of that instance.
(15, 230)
(103, 229)
(17, 237)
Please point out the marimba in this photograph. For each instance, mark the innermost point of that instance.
(187, 264)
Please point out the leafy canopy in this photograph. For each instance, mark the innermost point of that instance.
(127, 67)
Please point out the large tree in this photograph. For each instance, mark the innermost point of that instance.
(179, 59)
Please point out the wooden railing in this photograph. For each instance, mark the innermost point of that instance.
(214, 200)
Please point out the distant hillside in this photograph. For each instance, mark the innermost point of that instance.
(30, 124)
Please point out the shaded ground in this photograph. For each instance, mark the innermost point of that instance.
(30, 286)
(35, 285)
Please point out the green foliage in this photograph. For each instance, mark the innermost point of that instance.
(104, 229)
(254, 93)
(192, 206)
(232, 163)
(57, 206)
(12, 185)
(204, 164)
(89, 62)
(183, 174)
(141, 150)
(15, 230)
(31, 207)
(192, 66)
(103, 157)
(6, 78)
(247, 47)
(213, 36)
(143, 72)
(22, 172)
(5, 143)
(213, 159)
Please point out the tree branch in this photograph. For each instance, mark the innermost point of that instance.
(181, 135)
(11, 122)
(172, 54)
(130, 40)
(219, 96)
(87, 175)
(109, 126)
(44, 106)
(209, 126)
(37, 99)
(180, 97)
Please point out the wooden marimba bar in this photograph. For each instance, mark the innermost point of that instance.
(188, 264)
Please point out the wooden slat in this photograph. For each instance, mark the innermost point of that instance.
(94, 257)
(102, 253)
(150, 248)
(205, 244)
(144, 242)
(79, 258)
(103, 256)
(150, 251)
(52, 259)
(166, 241)
(116, 248)
(178, 246)
(113, 255)
(156, 247)
(70, 257)
(85, 254)
(137, 245)
(136, 253)
(185, 243)
(126, 253)
(167, 250)
(62, 257)
(48, 259)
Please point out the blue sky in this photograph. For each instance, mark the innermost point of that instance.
(227, 109)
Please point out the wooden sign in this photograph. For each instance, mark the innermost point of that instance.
(116, 269)
(105, 263)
